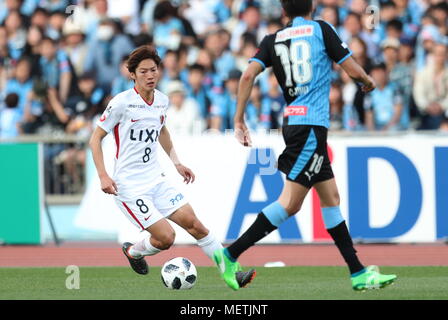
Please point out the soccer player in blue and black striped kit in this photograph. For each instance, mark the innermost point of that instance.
(301, 55)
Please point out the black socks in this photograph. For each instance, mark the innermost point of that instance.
(257, 231)
(344, 243)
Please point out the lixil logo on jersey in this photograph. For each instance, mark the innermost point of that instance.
(144, 135)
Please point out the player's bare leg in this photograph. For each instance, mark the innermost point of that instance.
(362, 278)
(187, 219)
(292, 196)
(162, 237)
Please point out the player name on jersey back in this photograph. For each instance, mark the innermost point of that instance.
(290, 33)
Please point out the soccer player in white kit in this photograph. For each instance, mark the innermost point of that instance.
(136, 118)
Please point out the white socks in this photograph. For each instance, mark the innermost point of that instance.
(143, 248)
(209, 244)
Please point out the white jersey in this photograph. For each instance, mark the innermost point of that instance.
(136, 126)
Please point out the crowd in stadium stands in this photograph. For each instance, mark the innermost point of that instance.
(60, 64)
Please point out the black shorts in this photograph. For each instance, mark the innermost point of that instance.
(305, 159)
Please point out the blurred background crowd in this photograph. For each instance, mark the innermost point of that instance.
(61, 61)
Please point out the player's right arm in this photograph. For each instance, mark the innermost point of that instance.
(107, 184)
(110, 119)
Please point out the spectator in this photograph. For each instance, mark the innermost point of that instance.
(124, 81)
(56, 69)
(431, 89)
(8, 6)
(351, 118)
(388, 12)
(212, 81)
(336, 107)
(54, 5)
(10, 117)
(75, 47)
(330, 15)
(198, 91)
(40, 18)
(352, 28)
(32, 49)
(95, 13)
(89, 103)
(168, 29)
(250, 22)
(383, 105)
(223, 11)
(183, 116)
(224, 105)
(359, 49)
(399, 74)
(44, 114)
(342, 11)
(6, 62)
(127, 12)
(426, 40)
(406, 53)
(106, 53)
(274, 25)
(270, 9)
(272, 105)
(85, 105)
(170, 69)
(147, 16)
(56, 24)
(16, 33)
(201, 22)
(20, 84)
(223, 59)
(253, 109)
(248, 50)
(394, 29)
(440, 14)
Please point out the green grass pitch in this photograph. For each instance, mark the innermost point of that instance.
(293, 283)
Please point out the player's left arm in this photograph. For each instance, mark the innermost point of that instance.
(167, 145)
(339, 52)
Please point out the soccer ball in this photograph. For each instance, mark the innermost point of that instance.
(179, 274)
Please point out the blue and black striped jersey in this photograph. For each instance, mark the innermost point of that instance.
(301, 55)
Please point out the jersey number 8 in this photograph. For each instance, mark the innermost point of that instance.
(300, 65)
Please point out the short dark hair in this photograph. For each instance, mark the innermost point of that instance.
(355, 15)
(379, 66)
(164, 9)
(395, 24)
(196, 67)
(41, 10)
(52, 40)
(388, 4)
(296, 8)
(12, 100)
(140, 54)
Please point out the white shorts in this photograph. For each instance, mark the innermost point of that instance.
(159, 202)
